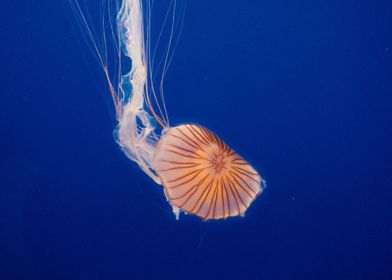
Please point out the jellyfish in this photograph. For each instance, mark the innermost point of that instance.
(200, 174)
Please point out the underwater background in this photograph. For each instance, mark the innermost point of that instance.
(301, 89)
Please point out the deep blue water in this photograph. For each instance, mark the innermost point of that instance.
(302, 89)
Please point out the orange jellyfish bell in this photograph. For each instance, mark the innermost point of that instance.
(203, 176)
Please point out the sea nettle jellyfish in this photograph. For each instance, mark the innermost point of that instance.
(200, 174)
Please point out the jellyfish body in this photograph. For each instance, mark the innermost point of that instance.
(201, 175)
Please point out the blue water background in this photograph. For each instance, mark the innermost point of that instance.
(302, 89)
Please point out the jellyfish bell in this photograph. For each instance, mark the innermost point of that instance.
(200, 174)
(203, 176)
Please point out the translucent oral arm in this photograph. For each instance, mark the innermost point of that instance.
(136, 129)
